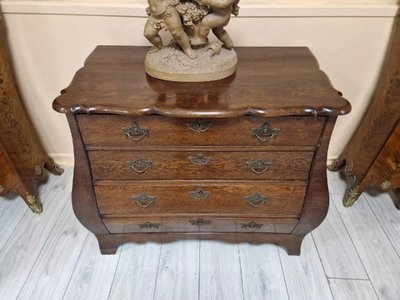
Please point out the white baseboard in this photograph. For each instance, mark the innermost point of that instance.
(63, 159)
(250, 8)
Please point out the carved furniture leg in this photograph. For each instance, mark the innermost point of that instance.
(107, 244)
(52, 167)
(293, 246)
(30, 199)
(34, 204)
(351, 196)
(337, 164)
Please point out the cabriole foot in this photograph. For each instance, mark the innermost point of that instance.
(351, 196)
(53, 168)
(292, 244)
(108, 251)
(107, 244)
(336, 164)
(34, 204)
(294, 251)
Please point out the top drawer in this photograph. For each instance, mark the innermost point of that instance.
(127, 131)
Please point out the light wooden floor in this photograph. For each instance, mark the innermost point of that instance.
(354, 254)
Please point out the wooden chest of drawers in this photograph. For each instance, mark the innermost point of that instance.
(242, 159)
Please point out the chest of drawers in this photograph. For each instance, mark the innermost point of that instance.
(242, 159)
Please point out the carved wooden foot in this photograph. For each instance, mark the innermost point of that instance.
(107, 244)
(34, 204)
(337, 164)
(351, 197)
(292, 244)
(108, 251)
(53, 168)
(295, 251)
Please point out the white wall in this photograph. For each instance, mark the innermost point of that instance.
(50, 40)
(269, 2)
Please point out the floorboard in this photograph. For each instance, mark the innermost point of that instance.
(93, 274)
(178, 271)
(220, 273)
(53, 268)
(304, 275)
(343, 289)
(262, 272)
(136, 273)
(12, 211)
(336, 250)
(377, 254)
(337, 183)
(19, 254)
(388, 217)
(352, 255)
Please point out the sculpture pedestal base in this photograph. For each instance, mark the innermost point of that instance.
(172, 64)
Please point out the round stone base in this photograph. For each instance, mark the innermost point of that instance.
(172, 64)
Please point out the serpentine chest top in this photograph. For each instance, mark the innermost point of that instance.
(241, 159)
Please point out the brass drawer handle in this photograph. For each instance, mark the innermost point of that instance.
(259, 166)
(144, 200)
(140, 165)
(199, 126)
(200, 222)
(199, 194)
(149, 225)
(256, 200)
(199, 159)
(135, 132)
(265, 133)
(252, 225)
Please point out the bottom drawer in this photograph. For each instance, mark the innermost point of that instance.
(199, 224)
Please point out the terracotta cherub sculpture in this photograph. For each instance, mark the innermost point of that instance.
(187, 57)
(217, 19)
(163, 13)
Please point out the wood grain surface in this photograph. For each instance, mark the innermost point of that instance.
(106, 130)
(221, 197)
(204, 165)
(375, 249)
(83, 197)
(199, 223)
(386, 166)
(274, 81)
(163, 161)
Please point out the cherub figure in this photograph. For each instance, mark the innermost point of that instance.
(219, 16)
(163, 13)
(190, 57)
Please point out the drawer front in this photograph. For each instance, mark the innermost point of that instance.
(229, 198)
(126, 131)
(199, 224)
(200, 165)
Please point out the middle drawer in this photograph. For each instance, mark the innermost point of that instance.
(200, 165)
(166, 197)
